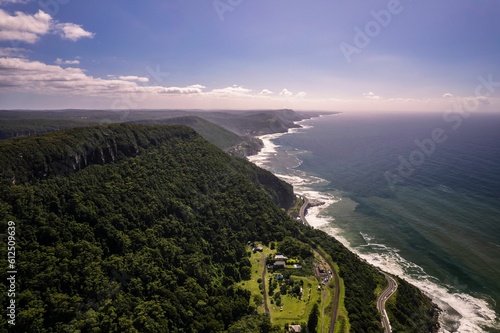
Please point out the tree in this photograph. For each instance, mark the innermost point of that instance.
(258, 300)
(295, 248)
(312, 321)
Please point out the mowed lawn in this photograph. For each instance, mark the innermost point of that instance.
(296, 311)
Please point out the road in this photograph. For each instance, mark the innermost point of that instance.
(263, 277)
(302, 212)
(392, 286)
(336, 295)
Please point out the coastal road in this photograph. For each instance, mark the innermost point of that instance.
(336, 294)
(303, 208)
(392, 286)
(336, 279)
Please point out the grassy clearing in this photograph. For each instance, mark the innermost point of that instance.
(296, 311)
(253, 285)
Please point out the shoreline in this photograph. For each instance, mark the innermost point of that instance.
(446, 324)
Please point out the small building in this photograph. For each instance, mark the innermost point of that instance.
(279, 264)
(294, 328)
(258, 249)
(280, 257)
(279, 277)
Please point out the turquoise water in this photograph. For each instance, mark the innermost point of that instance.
(428, 211)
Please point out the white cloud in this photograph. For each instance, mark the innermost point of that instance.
(23, 27)
(134, 78)
(22, 75)
(72, 31)
(371, 95)
(193, 89)
(29, 28)
(59, 61)
(448, 95)
(301, 94)
(231, 91)
(484, 100)
(12, 52)
(286, 93)
(266, 92)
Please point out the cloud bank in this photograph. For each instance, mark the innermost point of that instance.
(28, 28)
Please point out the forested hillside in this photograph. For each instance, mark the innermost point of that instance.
(219, 136)
(133, 228)
(150, 243)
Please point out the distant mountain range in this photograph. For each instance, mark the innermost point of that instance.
(232, 131)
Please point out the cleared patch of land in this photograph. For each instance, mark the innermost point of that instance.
(292, 292)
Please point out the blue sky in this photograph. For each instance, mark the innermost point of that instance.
(240, 54)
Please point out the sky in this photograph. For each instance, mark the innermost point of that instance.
(336, 55)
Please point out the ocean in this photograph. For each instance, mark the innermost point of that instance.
(416, 195)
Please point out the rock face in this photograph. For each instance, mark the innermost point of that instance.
(60, 153)
(39, 157)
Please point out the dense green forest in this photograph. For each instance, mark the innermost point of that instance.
(133, 228)
(219, 136)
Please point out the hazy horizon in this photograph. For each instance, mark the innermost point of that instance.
(328, 56)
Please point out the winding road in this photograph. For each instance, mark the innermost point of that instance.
(392, 286)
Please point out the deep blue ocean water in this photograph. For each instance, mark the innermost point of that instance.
(426, 210)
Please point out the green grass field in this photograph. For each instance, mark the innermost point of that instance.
(257, 266)
(296, 311)
(293, 310)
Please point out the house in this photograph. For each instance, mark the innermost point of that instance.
(294, 328)
(280, 257)
(279, 264)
